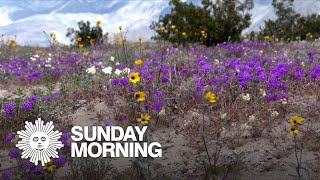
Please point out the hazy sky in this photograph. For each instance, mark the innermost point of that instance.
(28, 19)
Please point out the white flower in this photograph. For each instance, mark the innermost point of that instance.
(216, 61)
(126, 70)
(32, 58)
(36, 56)
(303, 64)
(252, 118)
(283, 101)
(107, 70)
(224, 115)
(91, 70)
(111, 58)
(162, 112)
(246, 97)
(117, 63)
(274, 113)
(263, 92)
(237, 70)
(117, 72)
(49, 54)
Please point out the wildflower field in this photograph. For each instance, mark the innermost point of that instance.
(244, 110)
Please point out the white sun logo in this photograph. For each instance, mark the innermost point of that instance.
(39, 142)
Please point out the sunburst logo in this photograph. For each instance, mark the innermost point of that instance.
(39, 142)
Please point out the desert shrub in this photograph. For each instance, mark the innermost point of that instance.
(86, 35)
(210, 24)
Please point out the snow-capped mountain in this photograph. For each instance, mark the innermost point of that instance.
(28, 19)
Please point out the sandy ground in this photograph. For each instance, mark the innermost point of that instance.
(261, 160)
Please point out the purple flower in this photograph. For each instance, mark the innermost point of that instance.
(115, 81)
(157, 106)
(107, 122)
(124, 81)
(13, 153)
(60, 161)
(147, 106)
(37, 169)
(164, 79)
(57, 94)
(25, 164)
(9, 107)
(9, 137)
(32, 98)
(271, 97)
(6, 175)
(213, 80)
(26, 105)
(65, 137)
(45, 98)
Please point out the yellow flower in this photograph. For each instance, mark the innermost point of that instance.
(296, 120)
(293, 130)
(14, 45)
(184, 33)
(120, 27)
(139, 38)
(144, 119)
(51, 34)
(211, 97)
(79, 39)
(98, 22)
(173, 26)
(162, 28)
(138, 62)
(139, 96)
(276, 39)
(134, 77)
(80, 46)
(89, 37)
(50, 167)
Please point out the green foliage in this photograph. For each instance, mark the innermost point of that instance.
(213, 23)
(86, 35)
(289, 24)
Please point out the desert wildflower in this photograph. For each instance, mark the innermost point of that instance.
(246, 97)
(81, 46)
(134, 77)
(296, 120)
(144, 119)
(107, 70)
(211, 97)
(173, 26)
(293, 129)
(184, 33)
(91, 70)
(50, 167)
(274, 113)
(162, 28)
(139, 96)
(98, 22)
(138, 62)
(139, 38)
(120, 27)
(224, 115)
(117, 72)
(79, 39)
